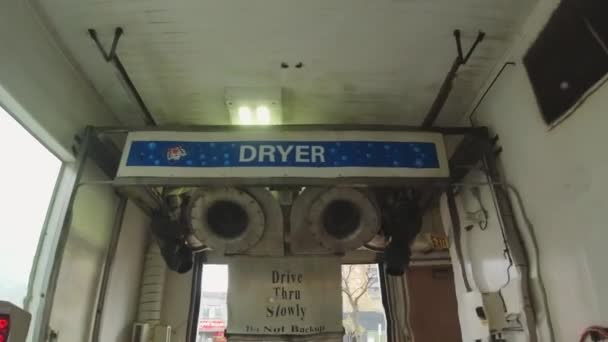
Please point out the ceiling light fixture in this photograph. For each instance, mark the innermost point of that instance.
(245, 115)
(254, 105)
(262, 114)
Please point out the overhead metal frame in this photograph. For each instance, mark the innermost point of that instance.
(102, 143)
(446, 86)
(98, 144)
(107, 267)
(43, 330)
(112, 57)
(104, 135)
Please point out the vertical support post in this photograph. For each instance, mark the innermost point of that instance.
(107, 267)
(442, 95)
(42, 332)
(195, 297)
(446, 86)
(513, 239)
(454, 217)
(112, 57)
(386, 302)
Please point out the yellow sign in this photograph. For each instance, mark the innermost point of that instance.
(440, 242)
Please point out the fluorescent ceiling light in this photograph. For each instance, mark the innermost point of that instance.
(254, 105)
(262, 114)
(245, 115)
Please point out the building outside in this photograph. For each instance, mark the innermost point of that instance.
(213, 317)
(364, 321)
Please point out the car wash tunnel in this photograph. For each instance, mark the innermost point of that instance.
(309, 221)
(303, 170)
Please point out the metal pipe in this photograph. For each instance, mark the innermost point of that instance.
(93, 35)
(446, 86)
(149, 120)
(458, 44)
(504, 66)
(515, 244)
(442, 96)
(455, 219)
(386, 304)
(195, 297)
(471, 184)
(534, 244)
(480, 37)
(117, 33)
(113, 58)
(107, 267)
(448, 130)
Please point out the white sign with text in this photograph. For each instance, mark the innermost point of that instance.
(284, 296)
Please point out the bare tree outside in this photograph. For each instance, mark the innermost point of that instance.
(356, 281)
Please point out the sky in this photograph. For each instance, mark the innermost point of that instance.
(215, 278)
(28, 172)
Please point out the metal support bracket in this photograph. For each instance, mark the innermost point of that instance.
(446, 86)
(108, 56)
(480, 36)
(112, 57)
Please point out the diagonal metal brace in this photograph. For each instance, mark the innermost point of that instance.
(462, 58)
(112, 57)
(480, 36)
(446, 86)
(112, 54)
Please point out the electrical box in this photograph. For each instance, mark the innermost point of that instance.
(14, 323)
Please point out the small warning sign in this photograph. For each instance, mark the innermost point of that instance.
(284, 296)
(440, 242)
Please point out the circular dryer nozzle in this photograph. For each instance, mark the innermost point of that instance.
(343, 219)
(227, 220)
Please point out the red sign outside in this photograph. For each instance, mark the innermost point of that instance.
(211, 325)
(5, 327)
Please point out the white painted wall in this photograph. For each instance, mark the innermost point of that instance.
(561, 174)
(125, 277)
(43, 90)
(81, 265)
(38, 84)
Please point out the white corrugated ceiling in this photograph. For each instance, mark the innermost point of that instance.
(364, 61)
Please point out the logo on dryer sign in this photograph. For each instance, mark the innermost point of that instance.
(176, 153)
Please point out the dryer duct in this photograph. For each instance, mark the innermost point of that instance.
(237, 221)
(334, 220)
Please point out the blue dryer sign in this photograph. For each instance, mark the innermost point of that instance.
(284, 154)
